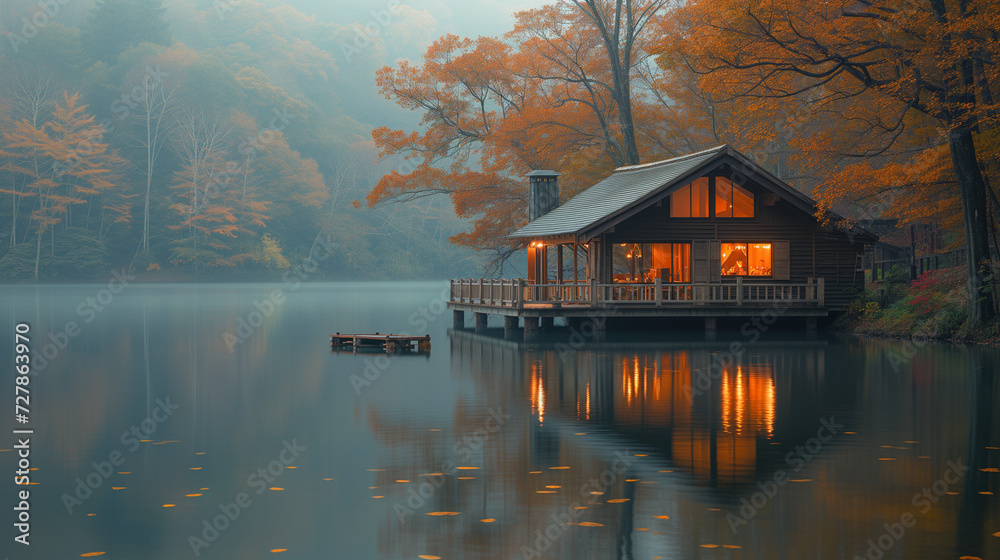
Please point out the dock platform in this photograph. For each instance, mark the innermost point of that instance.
(379, 341)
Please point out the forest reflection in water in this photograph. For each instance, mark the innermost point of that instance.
(795, 448)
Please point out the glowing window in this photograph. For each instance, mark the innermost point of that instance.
(746, 259)
(691, 200)
(732, 200)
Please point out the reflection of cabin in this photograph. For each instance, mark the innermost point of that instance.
(708, 235)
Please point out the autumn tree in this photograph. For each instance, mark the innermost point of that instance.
(930, 57)
(559, 91)
(73, 163)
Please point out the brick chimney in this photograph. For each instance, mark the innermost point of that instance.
(543, 193)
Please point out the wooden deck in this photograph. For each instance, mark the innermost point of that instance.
(742, 297)
(384, 342)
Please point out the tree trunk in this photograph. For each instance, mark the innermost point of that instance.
(972, 189)
(38, 254)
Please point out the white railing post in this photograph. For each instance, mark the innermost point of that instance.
(739, 290)
(658, 296)
(594, 296)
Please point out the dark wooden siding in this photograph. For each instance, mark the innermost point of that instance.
(813, 251)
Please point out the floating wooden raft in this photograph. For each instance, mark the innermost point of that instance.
(378, 341)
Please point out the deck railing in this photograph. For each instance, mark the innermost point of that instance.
(518, 293)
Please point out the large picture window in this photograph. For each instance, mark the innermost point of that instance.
(670, 262)
(691, 200)
(732, 200)
(746, 259)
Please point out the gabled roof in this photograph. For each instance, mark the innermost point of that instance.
(635, 187)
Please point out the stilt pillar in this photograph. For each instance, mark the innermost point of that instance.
(458, 319)
(530, 328)
(480, 322)
(547, 322)
(509, 326)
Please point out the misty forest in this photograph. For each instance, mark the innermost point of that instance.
(226, 139)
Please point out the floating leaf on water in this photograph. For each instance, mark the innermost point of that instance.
(377, 497)
(596, 493)
(534, 472)
(580, 434)
(911, 441)
(642, 529)
(278, 549)
(119, 487)
(661, 516)
(731, 546)
(199, 453)
(467, 468)
(969, 558)
(557, 468)
(192, 495)
(433, 429)
(432, 474)
(429, 557)
(488, 520)
(467, 478)
(194, 468)
(204, 488)
(580, 507)
(618, 500)
(91, 514)
(990, 469)
(328, 479)
(372, 487)
(92, 554)
(291, 467)
(402, 481)
(709, 545)
(590, 524)
(713, 509)
(631, 480)
(665, 471)
(545, 491)
(986, 493)
(375, 470)
(886, 458)
(169, 505)
(553, 486)
(124, 472)
(997, 534)
(952, 493)
(641, 455)
(275, 488)
(441, 513)
(800, 480)
(851, 433)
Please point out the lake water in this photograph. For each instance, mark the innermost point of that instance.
(659, 445)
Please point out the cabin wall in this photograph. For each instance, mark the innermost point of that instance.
(814, 251)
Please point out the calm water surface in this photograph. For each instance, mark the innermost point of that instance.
(791, 448)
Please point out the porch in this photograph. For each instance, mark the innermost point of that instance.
(519, 295)
(540, 304)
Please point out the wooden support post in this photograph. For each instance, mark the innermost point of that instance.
(594, 296)
(739, 290)
(811, 324)
(711, 324)
(530, 328)
(547, 322)
(480, 322)
(458, 319)
(509, 326)
(821, 291)
(658, 286)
